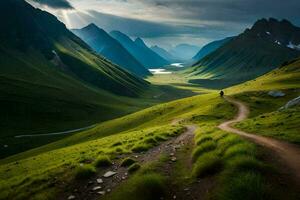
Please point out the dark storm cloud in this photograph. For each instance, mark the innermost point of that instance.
(239, 11)
(142, 28)
(57, 4)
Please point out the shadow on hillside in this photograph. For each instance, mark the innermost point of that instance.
(216, 84)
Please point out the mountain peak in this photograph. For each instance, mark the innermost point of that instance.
(279, 32)
(140, 42)
(92, 26)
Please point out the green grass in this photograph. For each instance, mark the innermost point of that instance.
(84, 172)
(243, 186)
(207, 164)
(103, 161)
(204, 148)
(145, 184)
(134, 167)
(127, 162)
(148, 128)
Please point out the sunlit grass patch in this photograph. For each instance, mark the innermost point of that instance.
(203, 138)
(142, 147)
(203, 148)
(240, 149)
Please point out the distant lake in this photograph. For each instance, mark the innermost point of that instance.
(177, 65)
(159, 71)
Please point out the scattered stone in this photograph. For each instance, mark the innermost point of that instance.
(5, 146)
(81, 164)
(101, 192)
(99, 180)
(173, 159)
(71, 197)
(136, 156)
(174, 197)
(172, 154)
(90, 182)
(123, 177)
(109, 174)
(186, 189)
(97, 188)
(108, 190)
(126, 174)
(276, 93)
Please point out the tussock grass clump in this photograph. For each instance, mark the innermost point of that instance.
(134, 167)
(127, 162)
(160, 138)
(207, 164)
(203, 138)
(243, 186)
(204, 148)
(141, 187)
(245, 163)
(141, 147)
(150, 140)
(84, 172)
(240, 149)
(220, 136)
(103, 161)
(227, 142)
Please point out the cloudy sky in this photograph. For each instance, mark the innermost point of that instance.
(170, 22)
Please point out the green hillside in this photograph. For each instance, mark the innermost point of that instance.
(267, 118)
(46, 165)
(247, 56)
(51, 81)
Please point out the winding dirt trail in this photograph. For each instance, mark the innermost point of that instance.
(92, 190)
(288, 153)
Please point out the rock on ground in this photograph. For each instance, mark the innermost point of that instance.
(276, 93)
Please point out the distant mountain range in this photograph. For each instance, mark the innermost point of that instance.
(49, 76)
(139, 50)
(165, 54)
(110, 48)
(184, 52)
(256, 51)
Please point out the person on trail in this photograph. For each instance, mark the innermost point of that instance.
(221, 93)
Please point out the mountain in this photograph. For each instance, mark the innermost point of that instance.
(140, 51)
(184, 51)
(210, 47)
(165, 54)
(110, 48)
(50, 79)
(256, 51)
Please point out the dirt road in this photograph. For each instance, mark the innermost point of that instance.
(289, 153)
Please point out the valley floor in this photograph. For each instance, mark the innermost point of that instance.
(173, 150)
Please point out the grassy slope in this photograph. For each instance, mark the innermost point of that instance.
(47, 164)
(265, 117)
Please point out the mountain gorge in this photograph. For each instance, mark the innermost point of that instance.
(107, 46)
(140, 51)
(258, 50)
